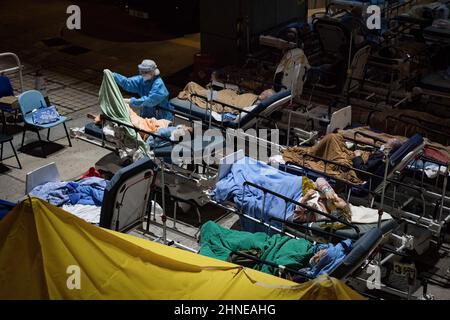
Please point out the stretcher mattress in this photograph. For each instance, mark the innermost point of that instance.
(93, 130)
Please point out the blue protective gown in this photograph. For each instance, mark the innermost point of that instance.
(152, 93)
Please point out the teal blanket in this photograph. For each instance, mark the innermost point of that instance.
(218, 242)
(112, 104)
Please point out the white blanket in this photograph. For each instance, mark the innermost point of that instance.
(88, 213)
(362, 214)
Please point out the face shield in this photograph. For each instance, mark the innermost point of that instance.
(148, 69)
(147, 75)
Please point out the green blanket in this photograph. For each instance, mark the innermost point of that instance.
(218, 242)
(111, 102)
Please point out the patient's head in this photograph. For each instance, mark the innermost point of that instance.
(266, 94)
(392, 144)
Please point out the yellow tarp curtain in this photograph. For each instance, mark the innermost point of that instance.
(40, 244)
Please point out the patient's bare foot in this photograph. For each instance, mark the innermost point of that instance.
(97, 118)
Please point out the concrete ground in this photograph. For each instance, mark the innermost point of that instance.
(36, 32)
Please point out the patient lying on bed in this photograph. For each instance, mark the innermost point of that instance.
(299, 254)
(245, 101)
(375, 159)
(332, 147)
(146, 124)
(320, 196)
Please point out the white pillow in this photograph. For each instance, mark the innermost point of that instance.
(243, 114)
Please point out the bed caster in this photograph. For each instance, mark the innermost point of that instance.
(425, 295)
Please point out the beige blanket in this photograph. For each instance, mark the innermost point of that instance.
(225, 96)
(332, 147)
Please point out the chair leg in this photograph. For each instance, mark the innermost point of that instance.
(23, 135)
(39, 135)
(3, 122)
(1, 152)
(67, 134)
(48, 134)
(41, 143)
(15, 154)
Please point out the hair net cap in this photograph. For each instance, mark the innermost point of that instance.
(149, 66)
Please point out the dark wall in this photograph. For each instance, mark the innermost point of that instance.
(224, 24)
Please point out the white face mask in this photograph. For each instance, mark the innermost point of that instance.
(147, 76)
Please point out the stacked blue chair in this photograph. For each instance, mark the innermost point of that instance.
(6, 90)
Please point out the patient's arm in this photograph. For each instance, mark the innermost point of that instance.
(358, 163)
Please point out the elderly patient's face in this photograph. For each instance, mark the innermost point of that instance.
(392, 143)
(266, 94)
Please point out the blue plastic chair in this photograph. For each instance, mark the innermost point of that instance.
(6, 90)
(33, 99)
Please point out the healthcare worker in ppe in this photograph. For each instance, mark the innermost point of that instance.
(151, 89)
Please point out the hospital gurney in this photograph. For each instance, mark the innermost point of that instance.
(259, 218)
(246, 119)
(271, 218)
(126, 196)
(388, 188)
(161, 148)
(350, 259)
(265, 222)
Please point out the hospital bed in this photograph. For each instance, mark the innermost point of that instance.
(162, 149)
(390, 189)
(361, 251)
(255, 215)
(397, 161)
(259, 115)
(126, 205)
(126, 196)
(275, 221)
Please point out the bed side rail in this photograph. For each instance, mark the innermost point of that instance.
(291, 201)
(222, 124)
(243, 77)
(426, 129)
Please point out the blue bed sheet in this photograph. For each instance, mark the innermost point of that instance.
(88, 191)
(5, 208)
(231, 188)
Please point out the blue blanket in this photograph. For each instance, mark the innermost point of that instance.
(156, 142)
(231, 188)
(88, 191)
(330, 260)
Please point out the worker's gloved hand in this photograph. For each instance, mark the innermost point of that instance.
(127, 101)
